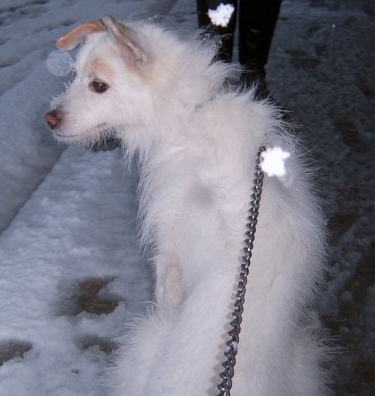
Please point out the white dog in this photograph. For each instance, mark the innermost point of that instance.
(196, 140)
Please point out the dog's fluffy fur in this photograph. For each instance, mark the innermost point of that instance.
(196, 141)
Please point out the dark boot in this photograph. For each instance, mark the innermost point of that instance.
(226, 33)
(257, 21)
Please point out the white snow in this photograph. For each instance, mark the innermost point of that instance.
(274, 161)
(221, 15)
(56, 242)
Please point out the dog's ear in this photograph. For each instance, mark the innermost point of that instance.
(72, 39)
(131, 49)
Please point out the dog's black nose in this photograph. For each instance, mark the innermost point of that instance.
(53, 118)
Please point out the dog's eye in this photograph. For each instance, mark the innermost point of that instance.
(98, 86)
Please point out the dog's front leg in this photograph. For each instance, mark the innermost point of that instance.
(169, 282)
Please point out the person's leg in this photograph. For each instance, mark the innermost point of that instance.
(257, 21)
(226, 33)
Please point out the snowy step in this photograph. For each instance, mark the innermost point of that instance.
(71, 275)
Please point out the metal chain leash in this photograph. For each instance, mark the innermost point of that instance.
(228, 372)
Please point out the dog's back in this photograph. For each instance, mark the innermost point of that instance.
(196, 218)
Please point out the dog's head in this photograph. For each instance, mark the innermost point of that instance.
(108, 91)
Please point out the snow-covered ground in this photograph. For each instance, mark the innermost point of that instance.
(71, 271)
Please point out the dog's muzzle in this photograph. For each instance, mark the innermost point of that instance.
(53, 118)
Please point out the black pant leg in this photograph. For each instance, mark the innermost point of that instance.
(257, 21)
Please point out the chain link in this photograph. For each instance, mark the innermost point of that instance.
(228, 372)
